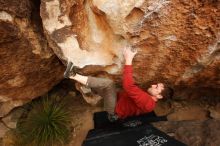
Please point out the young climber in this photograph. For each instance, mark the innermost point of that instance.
(132, 100)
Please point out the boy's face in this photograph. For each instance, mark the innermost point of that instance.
(156, 89)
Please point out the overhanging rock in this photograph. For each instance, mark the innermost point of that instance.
(178, 41)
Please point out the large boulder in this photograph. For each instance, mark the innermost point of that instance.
(28, 67)
(178, 41)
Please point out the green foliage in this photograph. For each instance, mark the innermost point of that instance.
(47, 124)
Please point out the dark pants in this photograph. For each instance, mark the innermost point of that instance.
(105, 88)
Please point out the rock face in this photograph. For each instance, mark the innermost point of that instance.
(178, 41)
(3, 130)
(11, 119)
(193, 133)
(28, 66)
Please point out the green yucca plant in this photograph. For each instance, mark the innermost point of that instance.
(47, 124)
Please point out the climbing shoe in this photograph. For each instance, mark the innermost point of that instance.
(70, 70)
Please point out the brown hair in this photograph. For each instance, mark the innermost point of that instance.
(167, 92)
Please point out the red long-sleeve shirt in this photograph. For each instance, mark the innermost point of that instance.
(132, 100)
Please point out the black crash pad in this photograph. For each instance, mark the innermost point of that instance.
(144, 135)
(133, 131)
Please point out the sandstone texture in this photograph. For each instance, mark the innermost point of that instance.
(28, 66)
(178, 41)
(193, 133)
(3, 130)
(11, 119)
